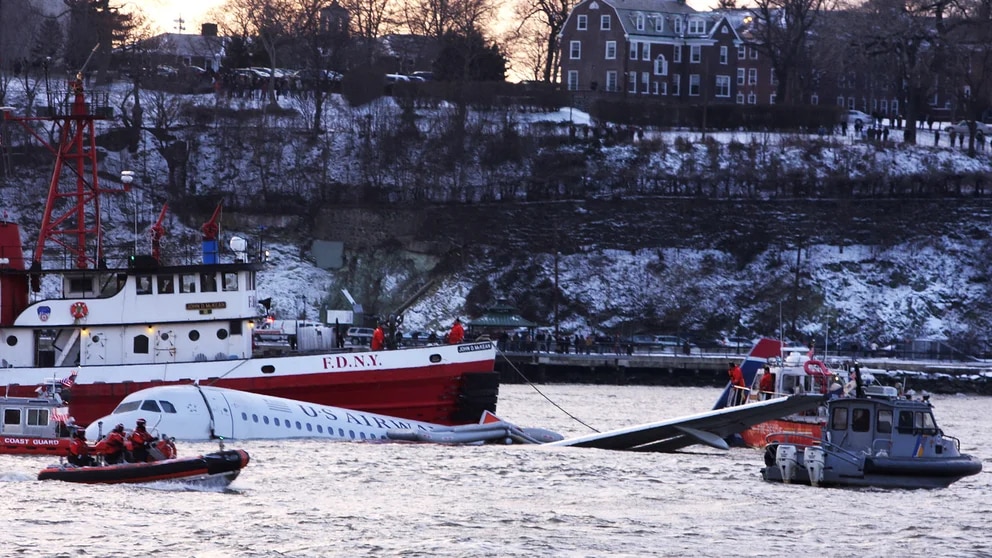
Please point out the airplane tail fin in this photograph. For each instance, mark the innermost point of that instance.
(763, 350)
(489, 417)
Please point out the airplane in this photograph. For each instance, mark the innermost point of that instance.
(199, 413)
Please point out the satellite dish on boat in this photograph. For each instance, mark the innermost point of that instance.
(239, 246)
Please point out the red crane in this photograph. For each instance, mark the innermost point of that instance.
(158, 231)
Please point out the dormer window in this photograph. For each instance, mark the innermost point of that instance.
(659, 24)
(678, 26)
(697, 26)
(640, 22)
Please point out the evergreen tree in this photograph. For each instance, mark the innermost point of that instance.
(469, 58)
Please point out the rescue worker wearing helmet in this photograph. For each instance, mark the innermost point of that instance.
(112, 447)
(141, 440)
(79, 450)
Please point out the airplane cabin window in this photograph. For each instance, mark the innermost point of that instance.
(244, 416)
(275, 421)
(254, 418)
(341, 432)
(265, 419)
(309, 427)
(150, 405)
(320, 429)
(299, 426)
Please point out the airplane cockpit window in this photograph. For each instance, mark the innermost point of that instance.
(167, 407)
(150, 405)
(127, 407)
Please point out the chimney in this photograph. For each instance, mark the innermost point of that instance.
(208, 29)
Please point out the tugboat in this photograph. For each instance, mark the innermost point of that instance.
(132, 321)
(874, 439)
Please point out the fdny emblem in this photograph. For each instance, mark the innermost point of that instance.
(44, 312)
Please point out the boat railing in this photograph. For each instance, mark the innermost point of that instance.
(796, 438)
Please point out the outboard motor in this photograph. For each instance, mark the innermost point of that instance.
(785, 458)
(815, 458)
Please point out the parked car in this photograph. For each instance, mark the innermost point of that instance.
(856, 117)
(962, 128)
(359, 336)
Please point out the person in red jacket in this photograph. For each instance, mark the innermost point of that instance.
(378, 339)
(112, 447)
(140, 440)
(457, 333)
(739, 387)
(79, 450)
(767, 384)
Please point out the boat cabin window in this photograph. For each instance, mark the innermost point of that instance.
(917, 422)
(838, 421)
(11, 417)
(80, 285)
(127, 407)
(166, 284)
(208, 283)
(860, 419)
(230, 281)
(187, 283)
(144, 284)
(883, 424)
(141, 344)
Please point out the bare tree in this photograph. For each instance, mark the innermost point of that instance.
(368, 19)
(550, 16)
(781, 33)
(435, 18)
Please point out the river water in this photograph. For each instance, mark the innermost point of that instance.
(319, 498)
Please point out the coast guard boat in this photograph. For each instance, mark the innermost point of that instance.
(873, 439)
(135, 322)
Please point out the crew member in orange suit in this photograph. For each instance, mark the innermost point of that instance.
(112, 447)
(737, 379)
(140, 440)
(378, 339)
(79, 451)
(457, 333)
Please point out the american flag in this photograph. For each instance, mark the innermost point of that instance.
(60, 414)
(70, 381)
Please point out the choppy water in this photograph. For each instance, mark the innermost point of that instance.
(318, 498)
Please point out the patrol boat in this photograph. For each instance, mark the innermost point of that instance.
(874, 439)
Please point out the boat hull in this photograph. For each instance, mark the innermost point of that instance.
(33, 445)
(220, 467)
(449, 384)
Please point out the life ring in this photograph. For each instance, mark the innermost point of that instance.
(79, 310)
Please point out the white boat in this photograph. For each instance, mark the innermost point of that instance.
(138, 323)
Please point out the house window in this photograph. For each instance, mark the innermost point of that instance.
(740, 98)
(696, 26)
(752, 99)
(633, 50)
(724, 30)
(885, 106)
(752, 76)
(677, 57)
(573, 80)
(754, 54)
(695, 54)
(611, 81)
(664, 88)
(850, 103)
(654, 87)
(723, 55)
(645, 81)
(660, 66)
(723, 86)
(895, 107)
(771, 99)
(676, 85)
(632, 82)
(604, 23)
(575, 50)
(774, 79)
(741, 52)
(678, 25)
(645, 51)
(740, 76)
(582, 23)
(640, 22)
(840, 101)
(659, 24)
(694, 85)
(814, 99)
(611, 50)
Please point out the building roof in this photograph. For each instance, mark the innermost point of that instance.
(182, 44)
(502, 317)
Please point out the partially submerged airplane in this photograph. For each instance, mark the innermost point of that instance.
(192, 412)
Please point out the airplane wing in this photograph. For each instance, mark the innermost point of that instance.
(710, 428)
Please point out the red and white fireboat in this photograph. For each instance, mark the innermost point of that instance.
(143, 324)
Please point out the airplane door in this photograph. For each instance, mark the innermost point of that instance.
(220, 412)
